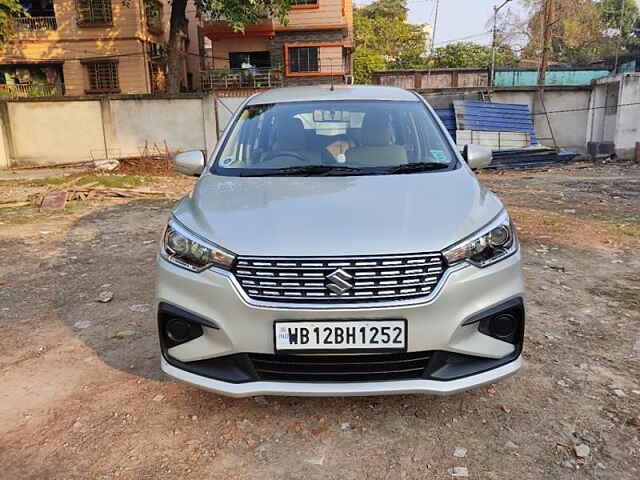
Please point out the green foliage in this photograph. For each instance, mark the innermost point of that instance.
(9, 10)
(365, 62)
(153, 11)
(583, 31)
(239, 13)
(387, 9)
(384, 39)
(624, 16)
(616, 16)
(111, 181)
(471, 55)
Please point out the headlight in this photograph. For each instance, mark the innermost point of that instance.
(185, 249)
(492, 243)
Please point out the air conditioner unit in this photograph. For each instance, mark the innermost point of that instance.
(601, 149)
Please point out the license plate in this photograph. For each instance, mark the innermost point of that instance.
(348, 335)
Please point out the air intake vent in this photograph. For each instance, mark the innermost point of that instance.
(340, 368)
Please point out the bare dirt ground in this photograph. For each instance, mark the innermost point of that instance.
(82, 395)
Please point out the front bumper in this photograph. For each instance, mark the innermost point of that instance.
(443, 324)
(304, 389)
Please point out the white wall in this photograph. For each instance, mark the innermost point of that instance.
(569, 127)
(180, 123)
(55, 132)
(227, 106)
(628, 124)
(596, 122)
(5, 161)
(615, 114)
(73, 130)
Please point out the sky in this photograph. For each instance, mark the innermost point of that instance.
(457, 19)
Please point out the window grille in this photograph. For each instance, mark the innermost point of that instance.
(103, 76)
(92, 12)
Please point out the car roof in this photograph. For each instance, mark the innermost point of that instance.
(325, 92)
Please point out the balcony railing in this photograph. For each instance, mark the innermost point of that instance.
(315, 66)
(36, 24)
(216, 79)
(31, 90)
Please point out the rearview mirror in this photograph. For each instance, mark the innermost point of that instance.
(477, 156)
(190, 163)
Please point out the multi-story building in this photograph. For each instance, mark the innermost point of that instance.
(78, 47)
(313, 46)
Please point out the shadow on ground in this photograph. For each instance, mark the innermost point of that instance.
(112, 251)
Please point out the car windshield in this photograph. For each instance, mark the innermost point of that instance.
(334, 138)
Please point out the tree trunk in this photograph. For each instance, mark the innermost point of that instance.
(174, 58)
(546, 41)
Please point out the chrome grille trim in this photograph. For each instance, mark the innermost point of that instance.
(364, 275)
(373, 279)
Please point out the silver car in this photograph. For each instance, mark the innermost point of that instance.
(337, 243)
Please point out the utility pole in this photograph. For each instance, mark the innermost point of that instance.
(496, 9)
(433, 40)
(435, 26)
(544, 62)
(546, 41)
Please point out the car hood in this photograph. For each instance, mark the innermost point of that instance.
(338, 215)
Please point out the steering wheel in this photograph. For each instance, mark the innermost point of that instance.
(272, 155)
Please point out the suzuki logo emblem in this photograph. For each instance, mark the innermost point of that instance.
(339, 282)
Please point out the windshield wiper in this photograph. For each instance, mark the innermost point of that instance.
(338, 170)
(309, 170)
(418, 167)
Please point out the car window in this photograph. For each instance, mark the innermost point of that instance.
(366, 137)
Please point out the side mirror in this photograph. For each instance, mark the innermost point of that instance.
(190, 163)
(477, 156)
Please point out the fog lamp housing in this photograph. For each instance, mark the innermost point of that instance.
(177, 326)
(179, 330)
(505, 322)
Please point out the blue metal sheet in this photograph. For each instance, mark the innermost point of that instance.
(494, 117)
(531, 158)
(448, 117)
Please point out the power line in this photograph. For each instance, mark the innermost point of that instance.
(468, 37)
(587, 109)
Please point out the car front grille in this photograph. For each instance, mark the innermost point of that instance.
(339, 279)
(340, 367)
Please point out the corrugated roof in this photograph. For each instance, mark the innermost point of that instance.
(494, 117)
